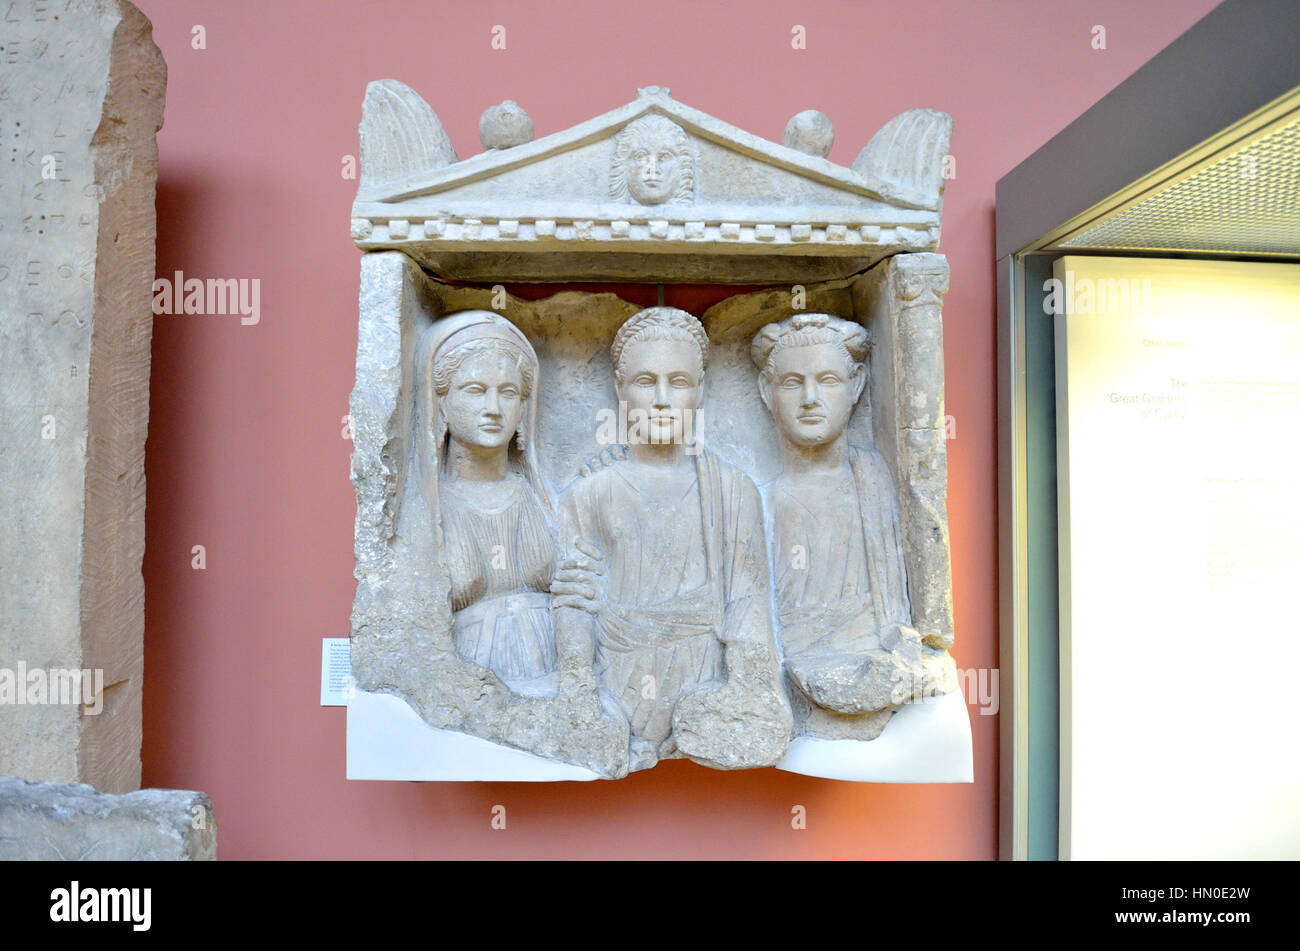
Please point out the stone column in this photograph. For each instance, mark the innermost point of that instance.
(901, 301)
(82, 86)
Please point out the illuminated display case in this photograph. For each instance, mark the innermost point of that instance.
(1152, 248)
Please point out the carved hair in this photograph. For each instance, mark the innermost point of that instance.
(803, 330)
(651, 131)
(450, 362)
(658, 323)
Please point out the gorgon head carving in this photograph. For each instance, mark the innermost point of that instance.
(652, 163)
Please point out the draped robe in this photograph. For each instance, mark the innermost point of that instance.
(678, 589)
(840, 577)
(501, 558)
(841, 584)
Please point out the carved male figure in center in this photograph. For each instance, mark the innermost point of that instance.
(664, 595)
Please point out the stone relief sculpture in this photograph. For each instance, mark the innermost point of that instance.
(839, 576)
(474, 403)
(652, 163)
(539, 600)
(666, 589)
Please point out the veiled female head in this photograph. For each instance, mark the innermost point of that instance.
(476, 388)
(482, 385)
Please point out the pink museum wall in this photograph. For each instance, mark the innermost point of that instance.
(245, 452)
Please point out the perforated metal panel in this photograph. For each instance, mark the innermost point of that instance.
(1247, 202)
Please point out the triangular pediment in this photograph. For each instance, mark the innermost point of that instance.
(552, 156)
(652, 177)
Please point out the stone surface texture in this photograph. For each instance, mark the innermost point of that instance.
(72, 822)
(504, 126)
(810, 131)
(539, 566)
(84, 101)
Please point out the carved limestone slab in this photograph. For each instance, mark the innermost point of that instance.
(82, 88)
(592, 536)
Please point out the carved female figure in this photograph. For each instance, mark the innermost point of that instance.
(476, 407)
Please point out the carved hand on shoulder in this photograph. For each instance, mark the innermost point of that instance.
(603, 460)
(580, 578)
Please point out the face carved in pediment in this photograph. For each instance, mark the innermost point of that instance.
(652, 163)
